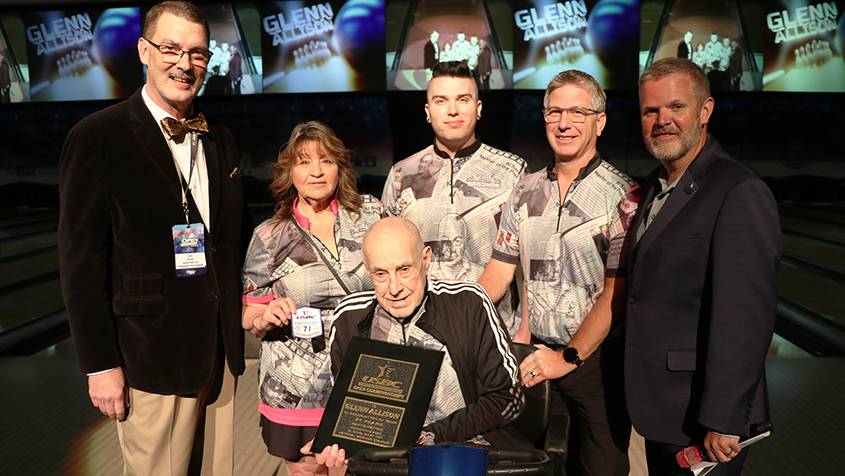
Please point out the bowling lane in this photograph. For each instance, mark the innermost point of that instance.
(822, 253)
(30, 303)
(821, 213)
(816, 293)
(814, 227)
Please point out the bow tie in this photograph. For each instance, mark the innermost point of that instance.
(177, 129)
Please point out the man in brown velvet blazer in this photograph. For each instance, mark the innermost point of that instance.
(161, 352)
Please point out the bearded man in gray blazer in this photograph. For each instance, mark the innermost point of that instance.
(702, 282)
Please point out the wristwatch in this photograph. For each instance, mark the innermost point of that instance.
(570, 354)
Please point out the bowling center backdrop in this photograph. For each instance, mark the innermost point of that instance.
(89, 51)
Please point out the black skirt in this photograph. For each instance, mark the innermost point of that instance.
(284, 441)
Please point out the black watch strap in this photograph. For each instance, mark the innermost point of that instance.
(570, 354)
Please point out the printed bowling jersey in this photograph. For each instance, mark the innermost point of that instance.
(281, 263)
(456, 203)
(566, 247)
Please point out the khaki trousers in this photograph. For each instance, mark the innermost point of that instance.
(177, 435)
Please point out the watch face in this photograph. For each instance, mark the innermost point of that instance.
(570, 355)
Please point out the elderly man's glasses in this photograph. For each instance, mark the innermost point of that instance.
(172, 54)
(576, 114)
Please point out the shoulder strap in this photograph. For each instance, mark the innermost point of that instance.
(307, 237)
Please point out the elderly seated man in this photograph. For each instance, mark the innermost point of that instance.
(456, 318)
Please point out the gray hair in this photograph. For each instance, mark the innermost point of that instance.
(598, 98)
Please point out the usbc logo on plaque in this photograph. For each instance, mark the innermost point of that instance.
(380, 396)
(385, 378)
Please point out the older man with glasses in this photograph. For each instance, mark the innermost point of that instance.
(150, 251)
(557, 213)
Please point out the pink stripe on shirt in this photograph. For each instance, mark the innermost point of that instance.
(292, 416)
(258, 299)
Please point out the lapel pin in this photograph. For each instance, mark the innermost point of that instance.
(235, 173)
(691, 188)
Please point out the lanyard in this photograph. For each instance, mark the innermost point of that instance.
(307, 236)
(182, 183)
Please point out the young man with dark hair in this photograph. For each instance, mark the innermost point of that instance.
(462, 176)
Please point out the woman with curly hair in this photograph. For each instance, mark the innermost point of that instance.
(302, 262)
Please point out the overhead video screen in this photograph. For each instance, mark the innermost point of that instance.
(310, 46)
(231, 70)
(804, 46)
(315, 46)
(434, 31)
(12, 87)
(597, 37)
(83, 54)
(712, 35)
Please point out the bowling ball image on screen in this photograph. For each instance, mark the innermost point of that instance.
(359, 34)
(613, 33)
(116, 45)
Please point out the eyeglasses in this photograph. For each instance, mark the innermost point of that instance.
(172, 54)
(576, 115)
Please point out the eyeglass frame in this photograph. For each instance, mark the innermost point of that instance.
(183, 51)
(567, 110)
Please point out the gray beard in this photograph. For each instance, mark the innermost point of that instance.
(686, 141)
(665, 155)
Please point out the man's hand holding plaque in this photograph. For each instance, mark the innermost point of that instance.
(332, 457)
